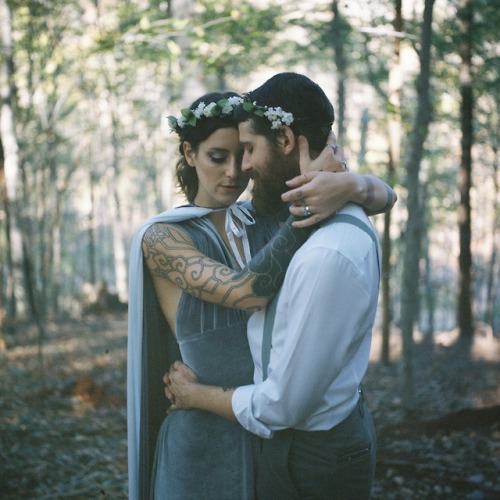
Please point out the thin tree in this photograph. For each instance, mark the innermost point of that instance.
(489, 316)
(465, 314)
(394, 136)
(338, 41)
(3, 207)
(409, 292)
(15, 283)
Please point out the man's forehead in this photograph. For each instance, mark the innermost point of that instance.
(245, 131)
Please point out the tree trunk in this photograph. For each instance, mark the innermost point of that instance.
(119, 253)
(489, 316)
(3, 207)
(465, 316)
(91, 226)
(429, 298)
(409, 293)
(394, 135)
(338, 40)
(15, 283)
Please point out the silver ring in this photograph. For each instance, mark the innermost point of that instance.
(307, 211)
(333, 146)
(344, 164)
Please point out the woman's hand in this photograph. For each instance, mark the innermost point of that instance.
(318, 195)
(331, 159)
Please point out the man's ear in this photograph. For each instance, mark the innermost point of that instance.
(188, 153)
(287, 140)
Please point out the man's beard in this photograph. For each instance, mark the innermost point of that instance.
(271, 184)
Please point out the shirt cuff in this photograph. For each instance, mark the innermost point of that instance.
(242, 408)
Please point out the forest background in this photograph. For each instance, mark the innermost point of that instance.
(86, 155)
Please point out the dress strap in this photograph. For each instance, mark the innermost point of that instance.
(237, 218)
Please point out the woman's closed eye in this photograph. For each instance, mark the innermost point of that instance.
(218, 158)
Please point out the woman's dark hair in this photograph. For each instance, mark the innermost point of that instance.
(186, 176)
(297, 94)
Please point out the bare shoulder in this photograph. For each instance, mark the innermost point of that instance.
(165, 237)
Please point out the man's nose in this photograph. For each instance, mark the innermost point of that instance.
(245, 163)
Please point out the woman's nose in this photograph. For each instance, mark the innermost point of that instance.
(233, 169)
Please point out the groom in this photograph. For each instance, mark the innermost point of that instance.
(311, 346)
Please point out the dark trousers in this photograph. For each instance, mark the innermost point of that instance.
(334, 464)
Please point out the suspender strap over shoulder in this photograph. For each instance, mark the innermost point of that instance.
(271, 308)
(268, 333)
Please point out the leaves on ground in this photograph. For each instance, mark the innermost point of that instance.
(63, 427)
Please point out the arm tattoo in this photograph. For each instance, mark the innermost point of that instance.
(271, 263)
(390, 199)
(169, 253)
(370, 192)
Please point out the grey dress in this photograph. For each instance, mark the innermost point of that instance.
(200, 455)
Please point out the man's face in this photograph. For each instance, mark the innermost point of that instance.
(268, 167)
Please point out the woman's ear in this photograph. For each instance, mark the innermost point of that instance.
(189, 153)
(286, 140)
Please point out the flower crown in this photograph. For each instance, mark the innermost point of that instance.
(191, 117)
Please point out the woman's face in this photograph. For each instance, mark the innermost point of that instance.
(218, 166)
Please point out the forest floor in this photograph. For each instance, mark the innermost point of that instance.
(63, 428)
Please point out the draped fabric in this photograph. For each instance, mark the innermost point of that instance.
(151, 345)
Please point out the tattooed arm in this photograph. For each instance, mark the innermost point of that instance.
(171, 255)
(325, 185)
(326, 192)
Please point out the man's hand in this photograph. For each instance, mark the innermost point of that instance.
(179, 384)
(183, 388)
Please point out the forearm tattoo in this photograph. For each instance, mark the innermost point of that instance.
(370, 192)
(271, 263)
(390, 199)
(169, 253)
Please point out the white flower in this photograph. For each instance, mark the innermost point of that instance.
(208, 109)
(181, 122)
(234, 100)
(287, 118)
(199, 111)
(278, 117)
(272, 114)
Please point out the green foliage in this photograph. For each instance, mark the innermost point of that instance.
(223, 36)
(95, 82)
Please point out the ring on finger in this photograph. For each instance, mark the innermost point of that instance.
(344, 164)
(307, 211)
(333, 146)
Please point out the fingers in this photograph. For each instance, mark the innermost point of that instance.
(297, 182)
(304, 155)
(168, 393)
(304, 222)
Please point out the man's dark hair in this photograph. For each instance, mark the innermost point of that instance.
(186, 176)
(297, 94)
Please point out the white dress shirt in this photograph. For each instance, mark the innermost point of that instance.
(322, 334)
